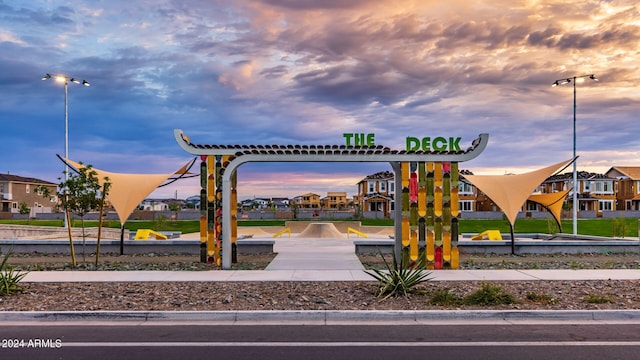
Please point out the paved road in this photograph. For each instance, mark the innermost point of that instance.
(462, 340)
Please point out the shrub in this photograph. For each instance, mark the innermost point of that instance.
(541, 298)
(489, 295)
(598, 299)
(444, 297)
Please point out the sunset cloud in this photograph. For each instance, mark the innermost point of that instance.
(306, 71)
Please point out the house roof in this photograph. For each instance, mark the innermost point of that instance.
(382, 175)
(582, 175)
(16, 178)
(632, 172)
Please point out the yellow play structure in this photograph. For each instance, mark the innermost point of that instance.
(143, 234)
(488, 235)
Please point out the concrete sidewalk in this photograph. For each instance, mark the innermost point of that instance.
(321, 275)
(325, 259)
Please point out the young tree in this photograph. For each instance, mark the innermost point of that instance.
(80, 194)
(174, 207)
(105, 191)
(23, 208)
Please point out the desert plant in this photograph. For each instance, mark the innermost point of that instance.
(489, 295)
(399, 278)
(541, 298)
(444, 297)
(9, 277)
(598, 299)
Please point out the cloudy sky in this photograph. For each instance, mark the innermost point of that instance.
(307, 71)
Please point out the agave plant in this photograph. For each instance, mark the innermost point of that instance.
(9, 278)
(401, 277)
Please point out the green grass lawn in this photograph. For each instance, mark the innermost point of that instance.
(595, 227)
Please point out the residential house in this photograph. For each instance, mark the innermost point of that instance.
(307, 201)
(16, 190)
(628, 189)
(280, 203)
(596, 192)
(153, 205)
(469, 198)
(334, 200)
(376, 192)
(193, 201)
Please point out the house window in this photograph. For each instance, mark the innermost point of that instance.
(392, 187)
(587, 185)
(603, 187)
(605, 205)
(464, 188)
(637, 187)
(466, 205)
(383, 186)
(372, 186)
(27, 189)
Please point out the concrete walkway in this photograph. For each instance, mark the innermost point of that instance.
(314, 254)
(324, 259)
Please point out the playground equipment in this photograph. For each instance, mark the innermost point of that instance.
(488, 235)
(143, 234)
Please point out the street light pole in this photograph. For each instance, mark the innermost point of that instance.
(65, 80)
(575, 160)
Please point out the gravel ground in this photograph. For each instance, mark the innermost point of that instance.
(558, 295)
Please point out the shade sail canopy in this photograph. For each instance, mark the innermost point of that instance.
(510, 192)
(128, 190)
(553, 202)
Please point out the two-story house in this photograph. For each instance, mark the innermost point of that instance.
(307, 201)
(376, 192)
(628, 189)
(596, 192)
(16, 190)
(334, 200)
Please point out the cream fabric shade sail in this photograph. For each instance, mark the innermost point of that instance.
(510, 192)
(128, 190)
(552, 201)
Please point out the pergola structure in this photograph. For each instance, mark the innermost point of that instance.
(426, 224)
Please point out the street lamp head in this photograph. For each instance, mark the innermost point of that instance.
(75, 81)
(85, 83)
(593, 77)
(46, 77)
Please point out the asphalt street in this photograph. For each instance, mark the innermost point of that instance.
(463, 340)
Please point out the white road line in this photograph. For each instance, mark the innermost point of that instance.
(354, 344)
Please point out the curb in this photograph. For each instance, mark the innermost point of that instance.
(326, 317)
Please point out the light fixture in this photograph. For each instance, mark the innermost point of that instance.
(65, 79)
(575, 159)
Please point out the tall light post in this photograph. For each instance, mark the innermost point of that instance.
(564, 81)
(65, 80)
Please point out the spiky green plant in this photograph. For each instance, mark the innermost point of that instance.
(399, 278)
(9, 277)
